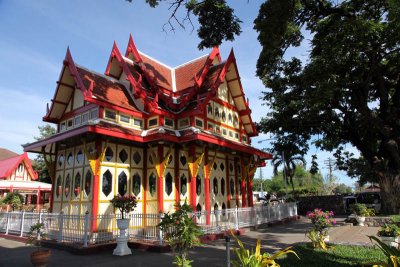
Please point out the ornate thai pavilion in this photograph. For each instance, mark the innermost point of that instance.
(165, 134)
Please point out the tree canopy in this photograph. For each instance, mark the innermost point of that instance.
(40, 164)
(348, 89)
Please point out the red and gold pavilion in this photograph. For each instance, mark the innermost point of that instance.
(165, 134)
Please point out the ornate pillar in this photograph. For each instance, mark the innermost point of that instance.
(192, 158)
(160, 178)
(96, 184)
(207, 185)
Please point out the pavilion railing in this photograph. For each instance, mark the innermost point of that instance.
(76, 229)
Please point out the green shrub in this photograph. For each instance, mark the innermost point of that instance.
(389, 230)
(14, 199)
(362, 210)
(395, 219)
(182, 233)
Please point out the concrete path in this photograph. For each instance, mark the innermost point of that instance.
(16, 254)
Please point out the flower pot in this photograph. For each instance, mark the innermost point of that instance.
(40, 258)
(391, 241)
(122, 248)
(123, 224)
(360, 220)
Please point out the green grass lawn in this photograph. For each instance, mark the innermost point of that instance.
(337, 255)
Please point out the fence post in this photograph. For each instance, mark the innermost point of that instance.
(40, 221)
(60, 226)
(269, 213)
(216, 220)
(86, 229)
(237, 218)
(22, 223)
(161, 236)
(255, 216)
(8, 222)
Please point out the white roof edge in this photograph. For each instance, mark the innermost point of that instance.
(173, 80)
(193, 60)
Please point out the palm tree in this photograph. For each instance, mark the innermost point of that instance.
(289, 163)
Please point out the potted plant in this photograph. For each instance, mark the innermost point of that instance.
(181, 233)
(40, 257)
(389, 234)
(320, 220)
(125, 205)
(361, 211)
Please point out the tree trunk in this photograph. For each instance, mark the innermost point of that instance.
(390, 193)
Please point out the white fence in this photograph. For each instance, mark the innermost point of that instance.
(76, 229)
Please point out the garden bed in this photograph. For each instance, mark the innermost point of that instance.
(337, 255)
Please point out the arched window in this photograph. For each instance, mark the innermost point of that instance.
(168, 184)
(122, 183)
(152, 184)
(107, 183)
(223, 186)
(183, 185)
(58, 186)
(232, 187)
(136, 157)
(20, 167)
(67, 186)
(77, 184)
(70, 159)
(198, 185)
(79, 157)
(123, 156)
(182, 159)
(109, 154)
(88, 183)
(60, 160)
(136, 183)
(215, 185)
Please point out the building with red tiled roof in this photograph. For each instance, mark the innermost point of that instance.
(164, 134)
(17, 175)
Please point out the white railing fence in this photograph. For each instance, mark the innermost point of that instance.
(76, 229)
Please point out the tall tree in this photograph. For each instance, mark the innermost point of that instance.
(348, 90)
(289, 157)
(40, 164)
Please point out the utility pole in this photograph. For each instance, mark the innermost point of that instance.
(330, 164)
(261, 182)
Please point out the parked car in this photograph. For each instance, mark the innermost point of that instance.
(370, 199)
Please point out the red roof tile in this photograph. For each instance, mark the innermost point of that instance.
(159, 71)
(10, 164)
(184, 75)
(106, 89)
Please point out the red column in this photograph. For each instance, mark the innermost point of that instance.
(243, 184)
(96, 184)
(228, 189)
(207, 186)
(160, 180)
(250, 191)
(192, 157)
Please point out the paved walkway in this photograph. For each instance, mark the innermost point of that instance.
(16, 254)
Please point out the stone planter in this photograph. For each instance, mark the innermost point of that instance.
(122, 248)
(390, 241)
(360, 220)
(40, 258)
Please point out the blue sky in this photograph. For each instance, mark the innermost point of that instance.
(34, 36)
